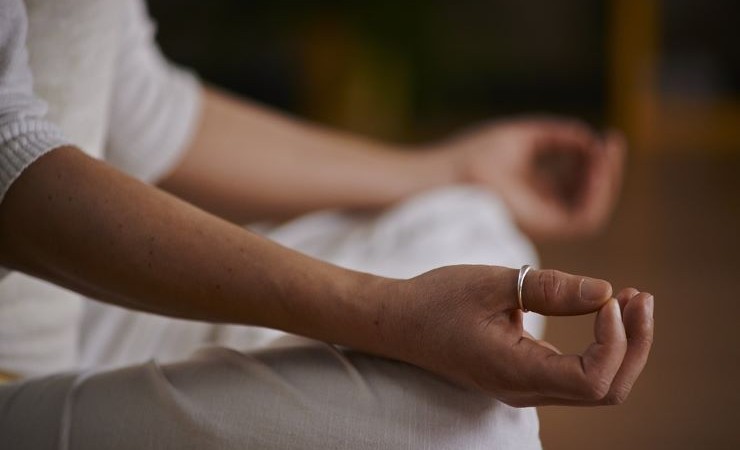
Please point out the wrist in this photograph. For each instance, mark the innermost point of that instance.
(366, 314)
(315, 299)
(372, 318)
(437, 166)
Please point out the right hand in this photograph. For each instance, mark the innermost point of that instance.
(463, 322)
(558, 177)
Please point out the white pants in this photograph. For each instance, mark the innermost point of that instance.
(281, 391)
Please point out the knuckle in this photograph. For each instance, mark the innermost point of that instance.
(550, 285)
(596, 389)
(645, 341)
(617, 397)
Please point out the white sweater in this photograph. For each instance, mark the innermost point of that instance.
(107, 85)
(110, 92)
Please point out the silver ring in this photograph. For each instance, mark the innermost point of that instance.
(520, 285)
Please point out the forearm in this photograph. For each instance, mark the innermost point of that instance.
(79, 223)
(247, 162)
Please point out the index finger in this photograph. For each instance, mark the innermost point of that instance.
(565, 135)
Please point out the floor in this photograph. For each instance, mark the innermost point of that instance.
(675, 234)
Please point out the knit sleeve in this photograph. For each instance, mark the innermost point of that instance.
(155, 104)
(24, 134)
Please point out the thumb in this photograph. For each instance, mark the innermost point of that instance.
(555, 293)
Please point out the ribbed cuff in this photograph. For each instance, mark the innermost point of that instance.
(22, 143)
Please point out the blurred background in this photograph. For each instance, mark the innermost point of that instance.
(665, 72)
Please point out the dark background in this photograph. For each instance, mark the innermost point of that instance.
(430, 66)
(667, 73)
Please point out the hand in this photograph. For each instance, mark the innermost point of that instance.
(558, 178)
(463, 322)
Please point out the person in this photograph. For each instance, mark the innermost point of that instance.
(393, 343)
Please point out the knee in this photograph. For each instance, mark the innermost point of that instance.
(453, 225)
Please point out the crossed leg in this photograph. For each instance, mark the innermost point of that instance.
(282, 391)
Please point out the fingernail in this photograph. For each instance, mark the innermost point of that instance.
(650, 305)
(617, 309)
(594, 290)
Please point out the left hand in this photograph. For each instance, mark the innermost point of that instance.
(464, 323)
(558, 177)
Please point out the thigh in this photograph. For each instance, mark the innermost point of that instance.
(304, 395)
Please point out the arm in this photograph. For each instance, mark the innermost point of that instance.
(558, 177)
(81, 224)
(247, 162)
(237, 159)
